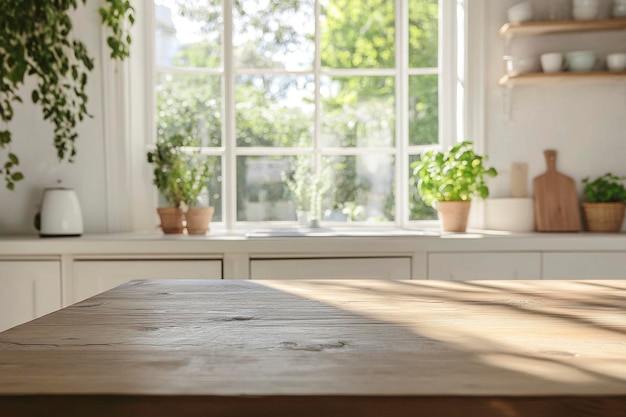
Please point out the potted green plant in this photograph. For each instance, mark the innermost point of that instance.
(180, 177)
(605, 201)
(307, 190)
(197, 218)
(447, 180)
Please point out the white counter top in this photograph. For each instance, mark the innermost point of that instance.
(326, 241)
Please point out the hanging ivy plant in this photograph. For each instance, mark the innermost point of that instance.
(36, 41)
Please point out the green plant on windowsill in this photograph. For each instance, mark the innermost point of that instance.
(36, 42)
(307, 188)
(607, 188)
(605, 202)
(181, 176)
(452, 176)
(299, 182)
(457, 174)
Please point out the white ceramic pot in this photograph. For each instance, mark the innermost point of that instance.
(510, 214)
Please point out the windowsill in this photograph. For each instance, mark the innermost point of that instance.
(322, 232)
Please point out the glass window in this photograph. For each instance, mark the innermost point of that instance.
(315, 105)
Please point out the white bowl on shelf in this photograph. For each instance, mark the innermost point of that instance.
(521, 65)
(586, 3)
(585, 13)
(521, 12)
(616, 62)
(619, 9)
(581, 61)
(552, 62)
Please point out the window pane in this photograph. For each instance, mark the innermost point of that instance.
(189, 105)
(213, 195)
(261, 193)
(361, 187)
(417, 209)
(357, 34)
(188, 33)
(423, 110)
(275, 111)
(358, 111)
(423, 33)
(274, 34)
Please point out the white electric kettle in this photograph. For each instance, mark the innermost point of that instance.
(60, 214)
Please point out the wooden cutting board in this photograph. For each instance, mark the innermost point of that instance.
(556, 202)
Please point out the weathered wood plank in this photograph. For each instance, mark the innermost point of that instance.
(485, 348)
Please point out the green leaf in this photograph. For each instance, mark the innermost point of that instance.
(17, 176)
(14, 159)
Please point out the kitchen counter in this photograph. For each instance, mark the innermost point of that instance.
(38, 275)
(311, 240)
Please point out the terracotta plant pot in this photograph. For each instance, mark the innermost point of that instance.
(198, 220)
(171, 220)
(453, 215)
(604, 217)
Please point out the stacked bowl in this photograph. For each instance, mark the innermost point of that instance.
(585, 9)
(619, 8)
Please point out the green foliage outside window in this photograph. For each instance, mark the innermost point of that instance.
(355, 34)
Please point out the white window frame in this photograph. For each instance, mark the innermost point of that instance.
(141, 103)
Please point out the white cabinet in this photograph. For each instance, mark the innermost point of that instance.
(91, 277)
(456, 266)
(329, 268)
(28, 289)
(584, 265)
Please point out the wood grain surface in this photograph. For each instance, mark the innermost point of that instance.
(189, 348)
(556, 202)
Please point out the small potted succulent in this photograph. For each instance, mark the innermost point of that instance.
(180, 177)
(605, 199)
(448, 180)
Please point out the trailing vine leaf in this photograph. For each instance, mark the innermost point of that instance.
(118, 16)
(36, 41)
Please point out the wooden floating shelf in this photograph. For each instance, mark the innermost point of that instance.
(561, 26)
(543, 78)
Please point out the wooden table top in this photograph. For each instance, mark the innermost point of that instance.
(324, 348)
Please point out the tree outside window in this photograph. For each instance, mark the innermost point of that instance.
(331, 99)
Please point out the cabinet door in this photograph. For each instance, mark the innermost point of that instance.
(584, 265)
(484, 265)
(29, 289)
(91, 277)
(328, 268)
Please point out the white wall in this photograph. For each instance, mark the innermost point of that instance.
(33, 143)
(584, 121)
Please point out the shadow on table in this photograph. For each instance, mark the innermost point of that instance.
(325, 348)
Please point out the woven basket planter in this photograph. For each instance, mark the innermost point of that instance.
(604, 217)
